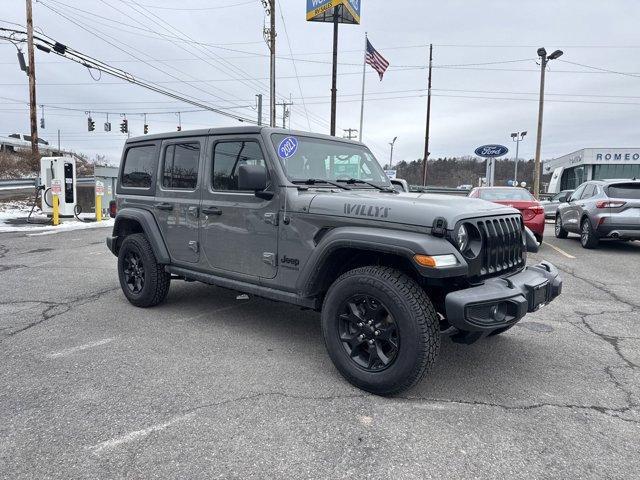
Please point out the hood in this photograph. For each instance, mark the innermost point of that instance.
(406, 208)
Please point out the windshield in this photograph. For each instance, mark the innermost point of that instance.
(497, 194)
(306, 158)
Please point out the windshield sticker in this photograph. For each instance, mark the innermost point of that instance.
(288, 147)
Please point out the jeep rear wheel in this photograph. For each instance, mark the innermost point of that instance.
(380, 329)
(143, 281)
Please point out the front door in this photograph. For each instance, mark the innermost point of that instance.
(177, 199)
(238, 230)
(571, 216)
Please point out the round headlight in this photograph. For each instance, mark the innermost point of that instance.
(462, 238)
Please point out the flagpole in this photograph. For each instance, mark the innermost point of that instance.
(364, 72)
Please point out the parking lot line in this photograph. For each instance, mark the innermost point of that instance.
(559, 250)
(79, 348)
(131, 436)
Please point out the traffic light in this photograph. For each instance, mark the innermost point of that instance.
(124, 126)
(107, 126)
(179, 128)
(91, 125)
(146, 128)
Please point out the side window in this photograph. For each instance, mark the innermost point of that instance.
(577, 194)
(228, 156)
(180, 166)
(139, 165)
(588, 192)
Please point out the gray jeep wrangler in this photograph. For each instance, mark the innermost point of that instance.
(313, 221)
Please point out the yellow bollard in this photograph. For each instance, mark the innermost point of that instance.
(56, 210)
(98, 208)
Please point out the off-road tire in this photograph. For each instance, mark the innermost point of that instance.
(413, 313)
(559, 229)
(156, 280)
(588, 237)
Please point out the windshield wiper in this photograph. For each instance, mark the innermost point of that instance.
(313, 181)
(353, 181)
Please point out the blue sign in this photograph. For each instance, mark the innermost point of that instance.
(491, 151)
(288, 147)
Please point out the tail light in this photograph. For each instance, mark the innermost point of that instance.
(530, 212)
(112, 209)
(610, 204)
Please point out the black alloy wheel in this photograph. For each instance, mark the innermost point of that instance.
(133, 272)
(368, 332)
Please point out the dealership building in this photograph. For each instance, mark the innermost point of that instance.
(571, 170)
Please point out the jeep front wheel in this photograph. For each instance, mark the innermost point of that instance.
(143, 281)
(380, 329)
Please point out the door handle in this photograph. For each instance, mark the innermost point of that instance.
(211, 211)
(164, 206)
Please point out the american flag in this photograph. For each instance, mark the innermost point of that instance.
(377, 61)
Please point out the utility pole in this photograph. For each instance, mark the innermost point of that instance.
(542, 53)
(59, 151)
(270, 38)
(259, 96)
(32, 85)
(426, 136)
(349, 133)
(334, 71)
(285, 112)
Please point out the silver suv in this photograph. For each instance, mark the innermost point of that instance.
(601, 209)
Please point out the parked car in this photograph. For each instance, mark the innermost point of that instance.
(519, 198)
(601, 209)
(313, 221)
(551, 205)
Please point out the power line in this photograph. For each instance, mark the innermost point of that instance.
(295, 69)
(219, 7)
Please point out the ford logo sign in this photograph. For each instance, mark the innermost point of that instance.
(490, 151)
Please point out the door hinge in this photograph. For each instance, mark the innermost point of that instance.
(269, 258)
(193, 245)
(271, 218)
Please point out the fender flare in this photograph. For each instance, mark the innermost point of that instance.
(398, 242)
(150, 229)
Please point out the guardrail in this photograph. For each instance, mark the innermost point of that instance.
(24, 183)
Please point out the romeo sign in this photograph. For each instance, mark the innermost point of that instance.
(491, 151)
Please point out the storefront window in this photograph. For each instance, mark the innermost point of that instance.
(613, 171)
(572, 177)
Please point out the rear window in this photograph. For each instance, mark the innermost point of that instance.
(497, 194)
(138, 166)
(624, 190)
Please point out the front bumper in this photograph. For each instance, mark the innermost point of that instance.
(501, 302)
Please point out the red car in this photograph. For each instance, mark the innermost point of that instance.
(532, 211)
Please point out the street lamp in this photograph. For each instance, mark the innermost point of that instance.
(392, 143)
(517, 137)
(544, 59)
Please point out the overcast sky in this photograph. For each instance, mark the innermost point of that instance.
(472, 104)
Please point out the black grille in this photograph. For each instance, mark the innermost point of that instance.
(502, 246)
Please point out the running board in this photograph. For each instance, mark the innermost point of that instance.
(244, 287)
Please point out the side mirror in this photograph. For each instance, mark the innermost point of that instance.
(531, 243)
(252, 177)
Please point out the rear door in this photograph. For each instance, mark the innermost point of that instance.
(177, 199)
(239, 231)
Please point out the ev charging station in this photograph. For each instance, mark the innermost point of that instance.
(64, 170)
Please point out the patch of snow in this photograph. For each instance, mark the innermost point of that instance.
(18, 210)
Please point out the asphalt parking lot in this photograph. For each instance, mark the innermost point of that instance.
(211, 386)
